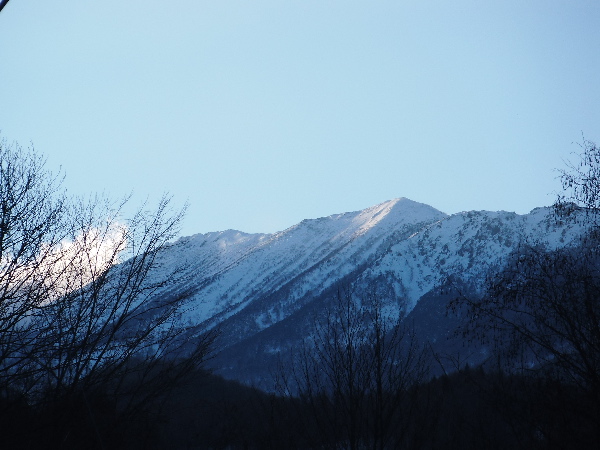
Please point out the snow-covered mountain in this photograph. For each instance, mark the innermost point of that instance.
(263, 290)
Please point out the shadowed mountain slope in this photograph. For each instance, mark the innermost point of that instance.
(263, 291)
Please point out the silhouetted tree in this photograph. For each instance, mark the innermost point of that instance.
(542, 312)
(85, 317)
(357, 377)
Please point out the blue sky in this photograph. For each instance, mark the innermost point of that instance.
(262, 113)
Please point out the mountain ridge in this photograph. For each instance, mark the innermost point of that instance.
(253, 285)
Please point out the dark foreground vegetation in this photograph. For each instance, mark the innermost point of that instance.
(93, 354)
(469, 409)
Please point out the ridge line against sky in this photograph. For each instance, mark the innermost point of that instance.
(262, 114)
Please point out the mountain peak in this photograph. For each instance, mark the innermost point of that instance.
(263, 290)
(396, 211)
(390, 214)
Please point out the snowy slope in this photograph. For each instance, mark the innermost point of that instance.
(468, 245)
(229, 270)
(263, 290)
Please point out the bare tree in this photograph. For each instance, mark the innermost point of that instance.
(542, 311)
(581, 184)
(84, 312)
(357, 377)
(32, 225)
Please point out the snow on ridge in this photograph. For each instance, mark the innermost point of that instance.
(468, 244)
(397, 211)
(393, 213)
(406, 246)
(230, 264)
(326, 249)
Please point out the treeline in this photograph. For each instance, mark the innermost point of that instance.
(469, 409)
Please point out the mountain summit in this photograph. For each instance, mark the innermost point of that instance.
(262, 290)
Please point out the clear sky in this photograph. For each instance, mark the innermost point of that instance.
(262, 113)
